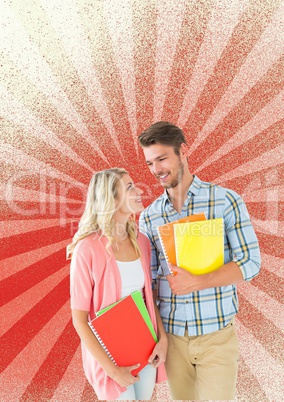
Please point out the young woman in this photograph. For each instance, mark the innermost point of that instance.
(110, 261)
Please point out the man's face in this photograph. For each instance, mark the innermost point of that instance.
(164, 164)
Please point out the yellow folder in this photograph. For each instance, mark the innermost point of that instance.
(200, 245)
(166, 235)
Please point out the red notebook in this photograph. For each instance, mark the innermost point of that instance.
(124, 334)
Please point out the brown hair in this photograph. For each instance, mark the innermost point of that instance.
(164, 133)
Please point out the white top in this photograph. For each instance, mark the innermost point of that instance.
(132, 276)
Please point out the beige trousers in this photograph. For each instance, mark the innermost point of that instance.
(203, 367)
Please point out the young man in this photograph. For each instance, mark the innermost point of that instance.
(197, 311)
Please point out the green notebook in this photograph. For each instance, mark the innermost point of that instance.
(138, 299)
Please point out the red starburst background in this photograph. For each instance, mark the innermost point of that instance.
(80, 79)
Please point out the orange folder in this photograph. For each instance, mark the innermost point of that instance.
(167, 238)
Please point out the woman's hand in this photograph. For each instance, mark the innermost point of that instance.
(123, 376)
(159, 353)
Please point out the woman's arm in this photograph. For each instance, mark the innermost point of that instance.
(159, 353)
(121, 375)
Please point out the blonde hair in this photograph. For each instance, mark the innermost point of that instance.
(100, 208)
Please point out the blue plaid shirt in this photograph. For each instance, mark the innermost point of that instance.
(210, 309)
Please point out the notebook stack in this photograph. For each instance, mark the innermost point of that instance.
(125, 331)
(194, 243)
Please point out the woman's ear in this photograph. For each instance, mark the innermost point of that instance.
(116, 202)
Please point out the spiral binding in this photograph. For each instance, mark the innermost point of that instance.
(163, 246)
(101, 342)
(176, 241)
(164, 250)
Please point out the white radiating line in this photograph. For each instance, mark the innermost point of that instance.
(225, 16)
(18, 375)
(268, 306)
(13, 110)
(266, 117)
(265, 53)
(19, 262)
(169, 21)
(22, 304)
(270, 198)
(267, 371)
(120, 25)
(74, 376)
(268, 159)
(264, 194)
(17, 158)
(268, 226)
(273, 264)
(30, 165)
(64, 17)
(16, 227)
(15, 43)
(26, 195)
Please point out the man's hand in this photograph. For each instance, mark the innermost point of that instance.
(159, 353)
(183, 282)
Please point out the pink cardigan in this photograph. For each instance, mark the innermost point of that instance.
(95, 283)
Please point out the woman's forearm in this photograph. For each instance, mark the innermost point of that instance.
(121, 375)
(80, 322)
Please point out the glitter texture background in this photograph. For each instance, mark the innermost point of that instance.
(79, 81)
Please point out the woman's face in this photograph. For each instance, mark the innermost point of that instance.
(129, 199)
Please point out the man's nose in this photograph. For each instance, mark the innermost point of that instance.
(156, 169)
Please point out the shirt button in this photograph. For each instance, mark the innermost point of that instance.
(187, 301)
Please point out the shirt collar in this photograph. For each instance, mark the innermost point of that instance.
(195, 186)
(193, 189)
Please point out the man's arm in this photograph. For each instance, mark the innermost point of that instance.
(183, 282)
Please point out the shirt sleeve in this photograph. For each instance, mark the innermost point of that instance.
(241, 236)
(144, 227)
(81, 283)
